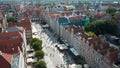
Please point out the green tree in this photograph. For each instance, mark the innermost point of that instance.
(101, 27)
(10, 10)
(111, 11)
(38, 4)
(91, 34)
(89, 27)
(90, 17)
(36, 44)
(12, 19)
(39, 54)
(40, 64)
(33, 40)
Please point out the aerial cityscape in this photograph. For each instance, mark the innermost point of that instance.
(59, 33)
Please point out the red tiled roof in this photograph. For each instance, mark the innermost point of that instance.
(85, 36)
(10, 34)
(94, 41)
(113, 57)
(10, 45)
(76, 29)
(50, 13)
(7, 57)
(55, 15)
(105, 45)
(111, 54)
(25, 24)
(105, 51)
(105, 4)
(67, 13)
(96, 47)
(5, 60)
(37, 11)
(98, 15)
(76, 18)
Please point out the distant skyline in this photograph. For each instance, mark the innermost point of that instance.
(49, 1)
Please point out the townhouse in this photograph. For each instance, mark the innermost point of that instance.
(12, 42)
(13, 48)
(23, 21)
(97, 52)
(34, 14)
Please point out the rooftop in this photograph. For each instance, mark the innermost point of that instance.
(9, 60)
(7, 57)
(13, 29)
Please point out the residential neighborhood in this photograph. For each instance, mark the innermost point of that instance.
(59, 34)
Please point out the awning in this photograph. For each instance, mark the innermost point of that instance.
(74, 51)
(31, 55)
(75, 66)
(45, 25)
(62, 47)
(30, 60)
(86, 65)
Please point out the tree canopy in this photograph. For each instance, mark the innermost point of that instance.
(111, 11)
(92, 34)
(101, 27)
(40, 64)
(39, 54)
(38, 4)
(12, 19)
(90, 17)
(36, 44)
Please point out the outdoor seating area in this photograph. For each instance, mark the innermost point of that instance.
(31, 60)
